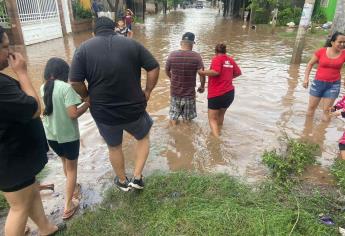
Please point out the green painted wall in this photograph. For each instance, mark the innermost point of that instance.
(330, 10)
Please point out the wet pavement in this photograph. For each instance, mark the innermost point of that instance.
(270, 102)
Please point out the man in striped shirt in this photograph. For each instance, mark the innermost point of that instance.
(182, 67)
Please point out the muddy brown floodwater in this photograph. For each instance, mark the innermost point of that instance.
(270, 102)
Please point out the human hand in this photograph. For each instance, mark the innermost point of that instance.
(335, 113)
(147, 94)
(17, 63)
(201, 89)
(305, 83)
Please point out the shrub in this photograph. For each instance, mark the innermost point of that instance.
(290, 164)
(79, 12)
(261, 16)
(289, 14)
(319, 16)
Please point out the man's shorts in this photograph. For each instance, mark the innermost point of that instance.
(184, 107)
(221, 102)
(113, 134)
(324, 89)
(68, 150)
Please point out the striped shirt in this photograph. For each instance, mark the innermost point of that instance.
(183, 67)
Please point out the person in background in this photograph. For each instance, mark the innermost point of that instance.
(339, 110)
(60, 120)
(95, 7)
(182, 67)
(23, 146)
(112, 65)
(121, 29)
(326, 84)
(128, 18)
(221, 92)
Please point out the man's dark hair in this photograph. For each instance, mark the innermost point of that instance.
(104, 24)
(2, 32)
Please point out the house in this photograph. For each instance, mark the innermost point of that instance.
(33, 21)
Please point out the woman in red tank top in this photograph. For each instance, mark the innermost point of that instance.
(221, 91)
(326, 83)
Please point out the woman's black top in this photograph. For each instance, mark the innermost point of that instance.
(23, 145)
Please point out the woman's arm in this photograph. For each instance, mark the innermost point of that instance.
(212, 73)
(310, 65)
(18, 65)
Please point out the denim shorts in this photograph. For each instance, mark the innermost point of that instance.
(113, 134)
(324, 89)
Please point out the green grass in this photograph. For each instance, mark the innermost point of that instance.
(338, 171)
(195, 204)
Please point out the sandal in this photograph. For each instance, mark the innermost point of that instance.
(27, 230)
(77, 192)
(68, 214)
(60, 227)
(47, 187)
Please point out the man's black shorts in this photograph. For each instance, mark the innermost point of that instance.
(113, 134)
(68, 150)
(221, 102)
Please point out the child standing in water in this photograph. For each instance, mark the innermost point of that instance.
(61, 126)
(121, 29)
(128, 18)
(337, 110)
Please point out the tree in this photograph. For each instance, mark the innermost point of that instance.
(339, 18)
(115, 7)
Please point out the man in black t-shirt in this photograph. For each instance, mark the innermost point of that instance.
(112, 64)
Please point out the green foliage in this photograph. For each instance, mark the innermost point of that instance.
(319, 16)
(287, 166)
(195, 204)
(261, 16)
(3, 203)
(79, 12)
(338, 171)
(289, 15)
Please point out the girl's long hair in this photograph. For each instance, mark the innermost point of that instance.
(56, 69)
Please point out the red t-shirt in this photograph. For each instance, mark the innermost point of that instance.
(222, 83)
(329, 69)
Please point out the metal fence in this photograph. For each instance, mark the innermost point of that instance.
(31, 11)
(4, 20)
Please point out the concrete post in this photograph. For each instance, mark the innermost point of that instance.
(302, 29)
(16, 29)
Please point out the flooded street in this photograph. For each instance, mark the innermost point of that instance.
(270, 102)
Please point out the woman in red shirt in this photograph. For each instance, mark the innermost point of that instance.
(221, 92)
(326, 84)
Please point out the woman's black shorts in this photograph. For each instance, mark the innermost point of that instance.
(20, 186)
(68, 150)
(341, 147)
(223, 101)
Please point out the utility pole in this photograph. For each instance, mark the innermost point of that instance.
(339, 18)
(302, 29)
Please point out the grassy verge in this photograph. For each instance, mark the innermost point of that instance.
(338, 171)
(193, 204)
